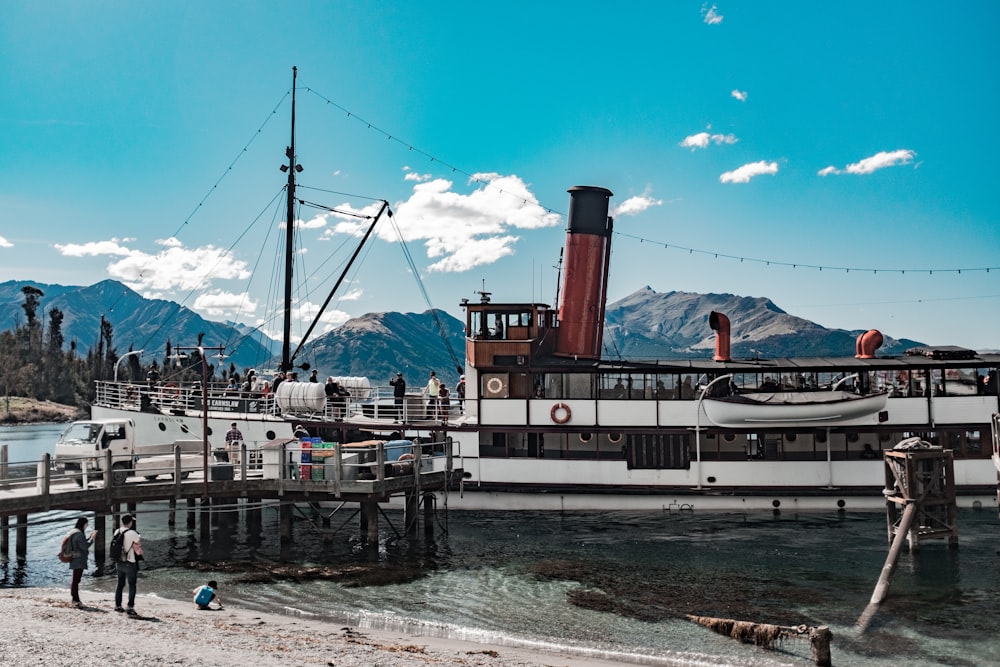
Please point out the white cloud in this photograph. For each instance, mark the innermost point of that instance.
(702, 139)
(459, 231)
(414, 176)
(741, 95)
(635, 205)
(219, 303)
(4, 243)
(712, 17)
(305, 311)
(93, 249)
(748, 171)
(880, 160)
(173, 268)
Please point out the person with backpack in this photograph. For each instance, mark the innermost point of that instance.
(126, 551)
(76, 547)
(203, 595)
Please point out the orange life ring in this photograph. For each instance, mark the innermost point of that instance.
(494, 385)
(406, 457)
(565, 417)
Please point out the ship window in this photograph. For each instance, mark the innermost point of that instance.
(586, 437)
(615, 437)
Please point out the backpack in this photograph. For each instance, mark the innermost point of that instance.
(117, 542)
(205, 595)
(66, 552)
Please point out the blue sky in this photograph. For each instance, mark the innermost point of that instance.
(747, 144)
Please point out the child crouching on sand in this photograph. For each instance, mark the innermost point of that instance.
(203, 595)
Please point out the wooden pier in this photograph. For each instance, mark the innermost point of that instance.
(360, 475)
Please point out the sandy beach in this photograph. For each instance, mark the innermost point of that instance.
(42, 626)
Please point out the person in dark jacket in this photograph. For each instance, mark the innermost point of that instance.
(79, 544)
(398, 393)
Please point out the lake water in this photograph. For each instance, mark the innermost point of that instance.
(613, 584)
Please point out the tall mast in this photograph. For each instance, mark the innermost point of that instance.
(292, 168)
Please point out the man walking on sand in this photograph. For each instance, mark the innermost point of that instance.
(128, 564)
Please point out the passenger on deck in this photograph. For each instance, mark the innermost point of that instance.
(444, 401)
(433, 390)
(868, 452)
(398, 385)
(300, 432)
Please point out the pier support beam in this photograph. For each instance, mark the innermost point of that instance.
(4, 535)
(410, 513)
(369, 521)
(285, 520)
(430, 506)
(191, 518)
(21, 539)
(100, 540)
(172, 513)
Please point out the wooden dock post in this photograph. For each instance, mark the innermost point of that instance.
(369, 521)
(190, 519)
(920, 505)
(4, 535)
(285, 519)
(410, 513)
(172, 513)
(21, 538)
(100, 540)
(430, 502)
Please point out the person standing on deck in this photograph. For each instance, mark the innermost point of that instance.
(398, 394)
(460, 392)
(314, 377)
(444, 401)
(433, 389)
(233, 439)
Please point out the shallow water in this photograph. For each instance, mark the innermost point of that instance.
(615, 584)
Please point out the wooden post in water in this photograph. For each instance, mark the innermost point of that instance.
(4, 520)
(190, 519)
(920, 504)
(285, 520)
(410, 513)
(100, 540)
(429, 508)
(172, 514)
(369, 517)
(21, 539)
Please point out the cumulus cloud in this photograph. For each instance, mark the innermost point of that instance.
(741, 95)
(711, 15)
(748, 171)
(4, 243)
(414, 176)
(219, 303)
(93, 248)
(702, 139)
(459, 231)
(172, 268)
(331, 319)
(880, 160)
(635, 205)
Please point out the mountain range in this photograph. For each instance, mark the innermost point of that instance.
(644, 325)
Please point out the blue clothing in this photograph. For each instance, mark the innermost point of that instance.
(80, 545)
(127, 572)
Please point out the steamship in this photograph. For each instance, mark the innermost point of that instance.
(546, 423)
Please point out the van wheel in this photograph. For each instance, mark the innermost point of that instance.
(119, 474)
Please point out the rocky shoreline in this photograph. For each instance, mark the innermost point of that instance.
(43, 626)
(20, 410)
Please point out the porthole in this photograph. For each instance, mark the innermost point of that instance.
(270, 435)
(184, 428)
(585, 437)
(790, 437)
(885, 436)
(729, 437)
(209, 430)
(776, 503)
(615, 437)
(852, 437)
(821, 436)
(710, 480)
(841, 503)
(162, 426)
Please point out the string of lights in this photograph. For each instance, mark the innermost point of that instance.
(803, 265)
(712, 253)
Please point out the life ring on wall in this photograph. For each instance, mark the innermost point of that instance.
(406, 457)
(565, 415)
(171, 389)
(494, 385)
